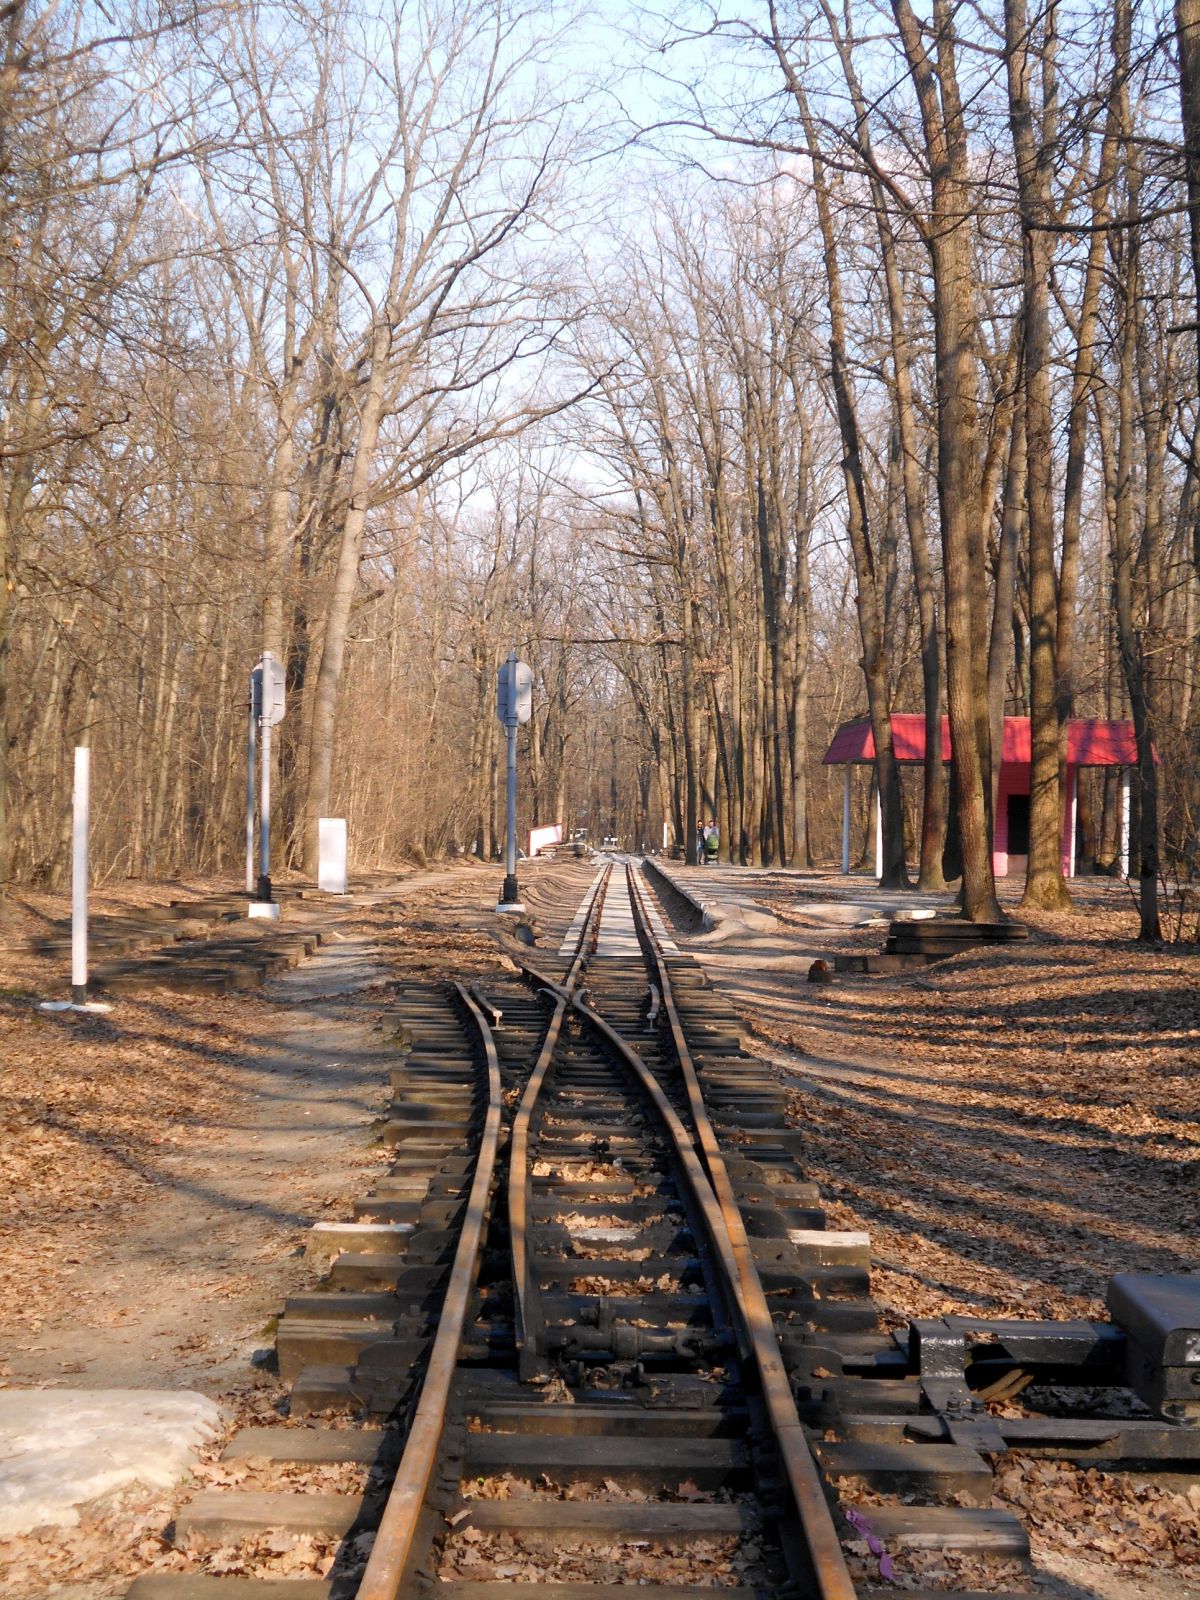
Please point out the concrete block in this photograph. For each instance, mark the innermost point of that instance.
(62, 1448)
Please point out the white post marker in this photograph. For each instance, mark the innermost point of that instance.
(878, 834)
(514, 705)
(331, 854)
(846, 819)
(1124, 812)
(80, 813)
(1073, 820)
(79, 876)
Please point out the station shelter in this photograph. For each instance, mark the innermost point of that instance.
(1090, 743)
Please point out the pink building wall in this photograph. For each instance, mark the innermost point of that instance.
(1015, 779)
(1091, 742)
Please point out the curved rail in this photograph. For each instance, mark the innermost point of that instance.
(389, 1558)
(527, 1314)
(824, 1546)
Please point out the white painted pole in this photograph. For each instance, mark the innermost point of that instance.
(846, 819)
(79, 877)
(878, 834)
(1074, 818)
(251, 738)
(1124, 816)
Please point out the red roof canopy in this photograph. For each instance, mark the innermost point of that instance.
(1090, 743)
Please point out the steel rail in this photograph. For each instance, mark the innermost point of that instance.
(590, 931)
(829, 1562)
(386, 1567)
(696, 1180)
(528, 1322)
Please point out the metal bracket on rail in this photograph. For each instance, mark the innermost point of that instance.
(655, 996)
(1152, 1347)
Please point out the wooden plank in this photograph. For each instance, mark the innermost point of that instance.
(308, 1444)
(895, 1397)
(502, 1416)
(231, 1514)
(979, 1530)
(605, 1520)
(360, 1272)
(932, 1469)
(315, 1344)
(195, 1586)
(951, 1594)
(325, 1306)
(443, 1135)
(494, 1589)
(707, 1462)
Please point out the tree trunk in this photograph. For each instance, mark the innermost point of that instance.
(955, 339)
(1012, 526)
(341, 601)
(1134, 664)
(1044, 884)
(868, 586)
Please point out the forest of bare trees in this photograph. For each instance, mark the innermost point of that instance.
(749, 371)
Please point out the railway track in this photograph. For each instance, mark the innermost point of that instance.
(591, 1331)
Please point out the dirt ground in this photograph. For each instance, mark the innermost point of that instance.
(1012, 1127)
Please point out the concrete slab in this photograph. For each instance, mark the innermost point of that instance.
(726, 897)
(724, 907)
(61, 1448)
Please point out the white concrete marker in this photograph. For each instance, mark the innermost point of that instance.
(61, 1448)
(80, 806)
(331, 854)
(79, 875)
(878, 833)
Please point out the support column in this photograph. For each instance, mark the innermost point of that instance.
(846, 772)
(1123, 814)
(878, 833)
